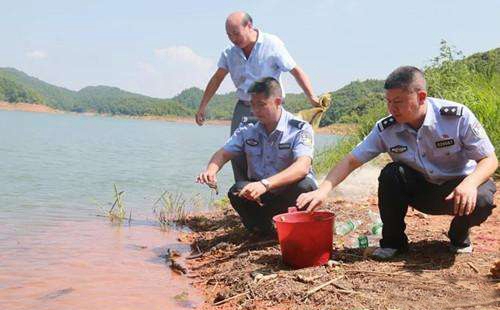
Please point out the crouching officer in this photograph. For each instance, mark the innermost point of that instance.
(279, 151)
(442, 162)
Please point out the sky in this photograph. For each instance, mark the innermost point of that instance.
(159, 48)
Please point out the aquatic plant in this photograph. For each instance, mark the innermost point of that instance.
(170, 209)
(117, 212)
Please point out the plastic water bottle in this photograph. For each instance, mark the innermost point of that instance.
(343, 228)
(376, 227)
(364, 241)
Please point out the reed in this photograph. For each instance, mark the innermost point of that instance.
(170, 209)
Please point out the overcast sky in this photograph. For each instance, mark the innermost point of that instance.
(159, 48)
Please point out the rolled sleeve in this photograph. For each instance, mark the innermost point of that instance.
(304, 143)
(371, 146)
(474, 138)
(283, 58)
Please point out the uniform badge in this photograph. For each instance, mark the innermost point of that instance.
(386, 122)
(284, 146)
(252, 142)
(451, 111)
(305, 138)
(445, 143)
(296, 123)
(478, 130)
(399, 149)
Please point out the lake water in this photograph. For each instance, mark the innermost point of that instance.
(56, 169)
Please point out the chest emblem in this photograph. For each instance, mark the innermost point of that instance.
(252, 142)
(399, 149)
(445, 143)
(284, 146)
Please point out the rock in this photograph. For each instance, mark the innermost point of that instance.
(177, 268)
(332, 263)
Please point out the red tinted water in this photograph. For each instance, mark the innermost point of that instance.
(82, 265)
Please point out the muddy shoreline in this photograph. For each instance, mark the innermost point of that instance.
(334, 129)
(238, 270)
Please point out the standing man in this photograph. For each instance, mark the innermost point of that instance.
(254, 55)
(442, 164)
(279, 150)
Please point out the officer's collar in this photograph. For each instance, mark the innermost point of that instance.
(282, 124)
(429, 120)
(260, 36)
(430, 116)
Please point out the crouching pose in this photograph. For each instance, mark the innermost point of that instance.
(278, 148)
(442, 163)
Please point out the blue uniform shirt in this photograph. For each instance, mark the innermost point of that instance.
(270, 154)
(446, 146)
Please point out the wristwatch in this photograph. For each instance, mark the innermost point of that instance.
(266, 184)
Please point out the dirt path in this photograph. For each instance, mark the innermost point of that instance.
(238, 271)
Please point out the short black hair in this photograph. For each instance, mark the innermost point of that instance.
(268, 86)
(405, 77)
(246, 19)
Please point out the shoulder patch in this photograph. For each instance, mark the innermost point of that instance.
(478, 130)
(451, 110)
(296, 123)
(305, 138)
(386, 122)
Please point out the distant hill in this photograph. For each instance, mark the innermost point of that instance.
(349, 102)
(17, 86)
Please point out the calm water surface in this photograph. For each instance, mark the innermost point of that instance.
(55, 170)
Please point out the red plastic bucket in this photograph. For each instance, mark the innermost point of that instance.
(305, 237)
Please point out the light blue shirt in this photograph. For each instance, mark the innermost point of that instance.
(269, 154)
(446, 146)
(269, 58)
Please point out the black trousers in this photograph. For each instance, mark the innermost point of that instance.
(401, 186)
(239, 163)
(259, 218)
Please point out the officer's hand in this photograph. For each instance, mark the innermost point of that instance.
(314, 199)
(314, 101)
(252, 191)
(207, 177)
(200, 117)
(464, 198)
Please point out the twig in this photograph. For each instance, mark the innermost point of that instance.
(319, 287)
(485, 303)
(256, 244)
(193, 256)
(473, 267)
(380, 273)
(230, 298)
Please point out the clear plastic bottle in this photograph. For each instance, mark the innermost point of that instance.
(376, 225)
(343, 228)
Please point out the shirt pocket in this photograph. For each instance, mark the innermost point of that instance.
(448, 158)
(284, 158)
(254, 157)
(402, 154)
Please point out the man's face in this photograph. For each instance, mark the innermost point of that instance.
(239, 35)
(404, 105)
(265, 109)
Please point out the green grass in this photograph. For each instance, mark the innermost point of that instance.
(170, 208)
